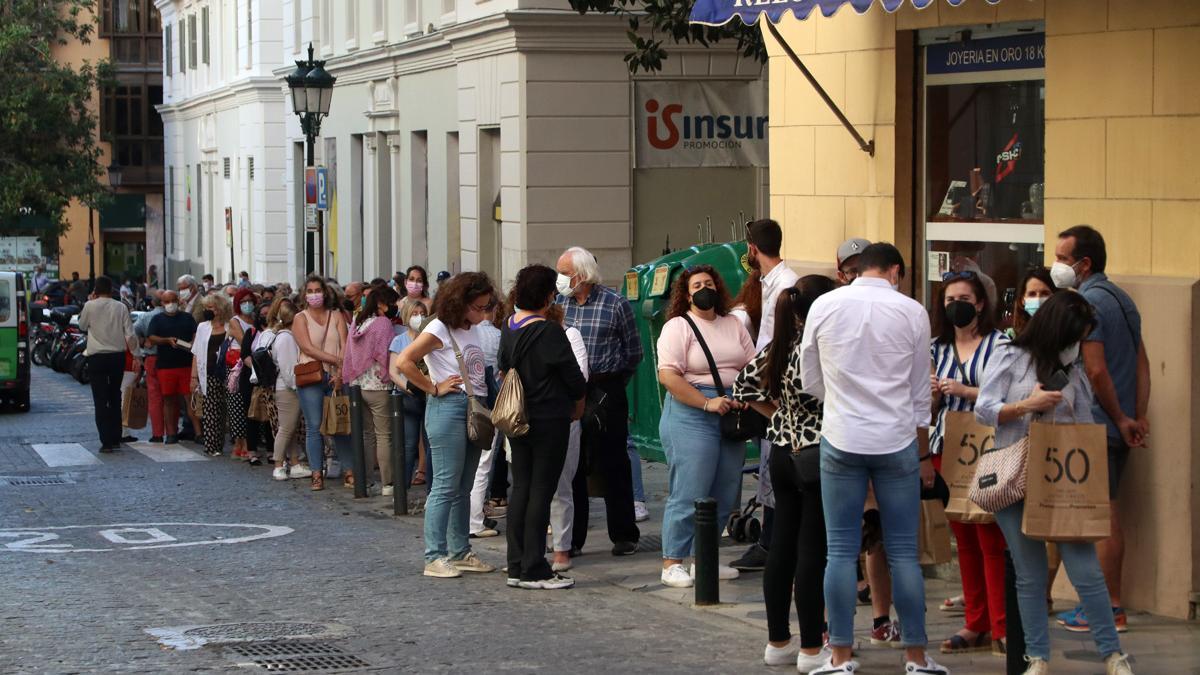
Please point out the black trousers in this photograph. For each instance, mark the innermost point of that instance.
(796, 561)
(106, 371)
(537, 464)
(498, 483)
(606, 454)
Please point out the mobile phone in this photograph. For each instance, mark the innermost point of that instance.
(1057, 381)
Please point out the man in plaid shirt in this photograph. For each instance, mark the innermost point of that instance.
(614, 350)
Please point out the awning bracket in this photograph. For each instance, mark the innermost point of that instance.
(865, 145)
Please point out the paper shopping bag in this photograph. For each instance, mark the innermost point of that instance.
(933, 535)
(964, 441)
(135, 406)
(261, 401)
(336, 418)
(1067, 491)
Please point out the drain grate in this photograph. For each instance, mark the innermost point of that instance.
(297, 657)
(34, 481)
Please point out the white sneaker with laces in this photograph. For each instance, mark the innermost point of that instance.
(676, 576)
(931, 667)
(554, 583)
(807, 662)
(299, 471)
(640, 513)
(442, 569)
(1037, 666)
(279, 473)
(782, 656)
(724, 572)
(827, 668)
(1117, 664)
(471, 563)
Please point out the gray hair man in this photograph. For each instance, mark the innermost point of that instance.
(189, 291)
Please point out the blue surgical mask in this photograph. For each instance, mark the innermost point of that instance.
(1032, 305)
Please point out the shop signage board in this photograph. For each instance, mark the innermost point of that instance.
(1013, 52)
(310, 217)
(701, 123)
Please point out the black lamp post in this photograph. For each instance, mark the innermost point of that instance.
(114, 182)
(312, 92)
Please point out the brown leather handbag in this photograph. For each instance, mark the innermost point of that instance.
(310, 373)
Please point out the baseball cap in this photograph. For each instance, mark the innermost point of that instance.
(443, 275)
(851, 248)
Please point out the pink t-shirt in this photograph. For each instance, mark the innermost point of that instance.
(727, 339)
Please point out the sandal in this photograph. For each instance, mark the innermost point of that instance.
(418, 477)
(958, 644)
(953, 605)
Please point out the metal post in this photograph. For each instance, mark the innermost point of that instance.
(91, 246)
(356, 443)
(707, 591)
(399, 465)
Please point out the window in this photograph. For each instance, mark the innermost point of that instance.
(123, 16)
(351, 23)
(134, 126)
(412, 17)
(204, 26)
(192, 41)
(379, 20)
(167, 43)
(297, 35)
(182, 45)
(249, 33)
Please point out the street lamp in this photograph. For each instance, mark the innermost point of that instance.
(114, 182)
(312, 92)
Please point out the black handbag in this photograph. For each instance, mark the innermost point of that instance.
(736, 425)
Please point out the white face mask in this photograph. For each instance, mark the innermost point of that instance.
(1069, 355)
(171, 307)
(1063, 275)
(415, 321)
(563, 284)
(185, 293)
(1032, 305)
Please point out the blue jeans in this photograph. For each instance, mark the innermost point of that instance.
(635, 470)
(896, 477)
(448, 507)
(1083, 567)
(312, 402)
(700, 463)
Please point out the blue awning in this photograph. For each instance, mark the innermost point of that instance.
(721, 12)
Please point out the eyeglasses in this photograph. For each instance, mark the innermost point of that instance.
(956, 276)
(483, 308)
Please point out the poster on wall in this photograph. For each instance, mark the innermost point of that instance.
(700, 123)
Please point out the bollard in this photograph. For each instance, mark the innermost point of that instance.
(1014, 641)
(356, 443)
(707, 591)
(399, 468)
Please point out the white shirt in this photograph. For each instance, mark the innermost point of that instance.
(579, 348)
(865, 353)
(442, 363)
(772, 285)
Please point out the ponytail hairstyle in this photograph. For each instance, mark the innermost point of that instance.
(791, 310)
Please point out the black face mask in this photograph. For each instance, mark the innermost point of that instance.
(260, 321)
(209, 315)
(704, 299)
(961, 313)
(348, 305)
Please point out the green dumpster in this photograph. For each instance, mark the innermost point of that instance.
(648, 289)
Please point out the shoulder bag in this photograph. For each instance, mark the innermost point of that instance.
(265, 369)
(736, 425)
(509, 415)
(480, 430)
(309, 372)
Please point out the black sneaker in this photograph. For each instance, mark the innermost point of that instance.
(107, 449)
(172, 440)
(624, 548)
(129, 439)
(156, 439)
(754, 560)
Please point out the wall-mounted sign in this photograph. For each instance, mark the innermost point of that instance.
(1013, 52)
(692, 123)
(310, 185)
(322, 188)
(631, 285)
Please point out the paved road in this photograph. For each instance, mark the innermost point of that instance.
(341, 563)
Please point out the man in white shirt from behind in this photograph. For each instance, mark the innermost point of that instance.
(865, 354)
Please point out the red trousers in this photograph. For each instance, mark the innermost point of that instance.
(154, 396)
(981, 563)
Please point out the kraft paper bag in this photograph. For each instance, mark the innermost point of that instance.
(933, 536)
(1067, 492)
(135, 406)
(336, 418)
(261, 401)
(964, 441)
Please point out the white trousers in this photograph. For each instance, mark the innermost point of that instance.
(562, 508)
(483, 477)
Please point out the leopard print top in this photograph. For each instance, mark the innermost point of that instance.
(797, 421)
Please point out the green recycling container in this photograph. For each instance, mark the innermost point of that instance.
(648, 289)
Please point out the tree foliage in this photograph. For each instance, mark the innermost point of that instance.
(665, 20)
(49, 152)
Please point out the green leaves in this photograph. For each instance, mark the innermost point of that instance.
(669, 18)
(48, 127)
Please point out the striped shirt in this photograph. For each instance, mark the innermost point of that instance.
(609, 332)
(969, 374)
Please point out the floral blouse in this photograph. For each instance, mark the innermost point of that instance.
(797, 421)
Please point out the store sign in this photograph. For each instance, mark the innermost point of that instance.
(1015, 52)
(23, 254)
(693, 124)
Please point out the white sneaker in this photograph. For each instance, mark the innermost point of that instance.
(387, 491)
(724, 572)
(828, 668)
(1037, 666)
(931, 667)
(640, 513)
(471, 563)
(1117, 664)
(442, 569)
(279, 473)
(554, 583)
(806, 662)
(782, 656)
(299, 471)
(676, 576)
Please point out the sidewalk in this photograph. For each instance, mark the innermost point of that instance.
(1158, 645)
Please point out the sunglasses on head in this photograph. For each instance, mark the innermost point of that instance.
(957, 276)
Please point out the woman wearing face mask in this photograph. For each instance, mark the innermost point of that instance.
(260, 433)
(1035, 289)
(701, 461)
(209, 371)
(320, 333)
(412, 315)
(964, 344)
(285, 353)
(416, 286)
(366, 366)
(1012, 395)
(243, 328)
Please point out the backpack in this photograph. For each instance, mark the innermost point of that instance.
(264, 364)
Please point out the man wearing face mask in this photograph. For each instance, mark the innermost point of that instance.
(1116, 363)
(141, 328)
(209, 282)
(188, 291)
(865, 354)
(605, 320)
(170, 333)
(847, 259)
